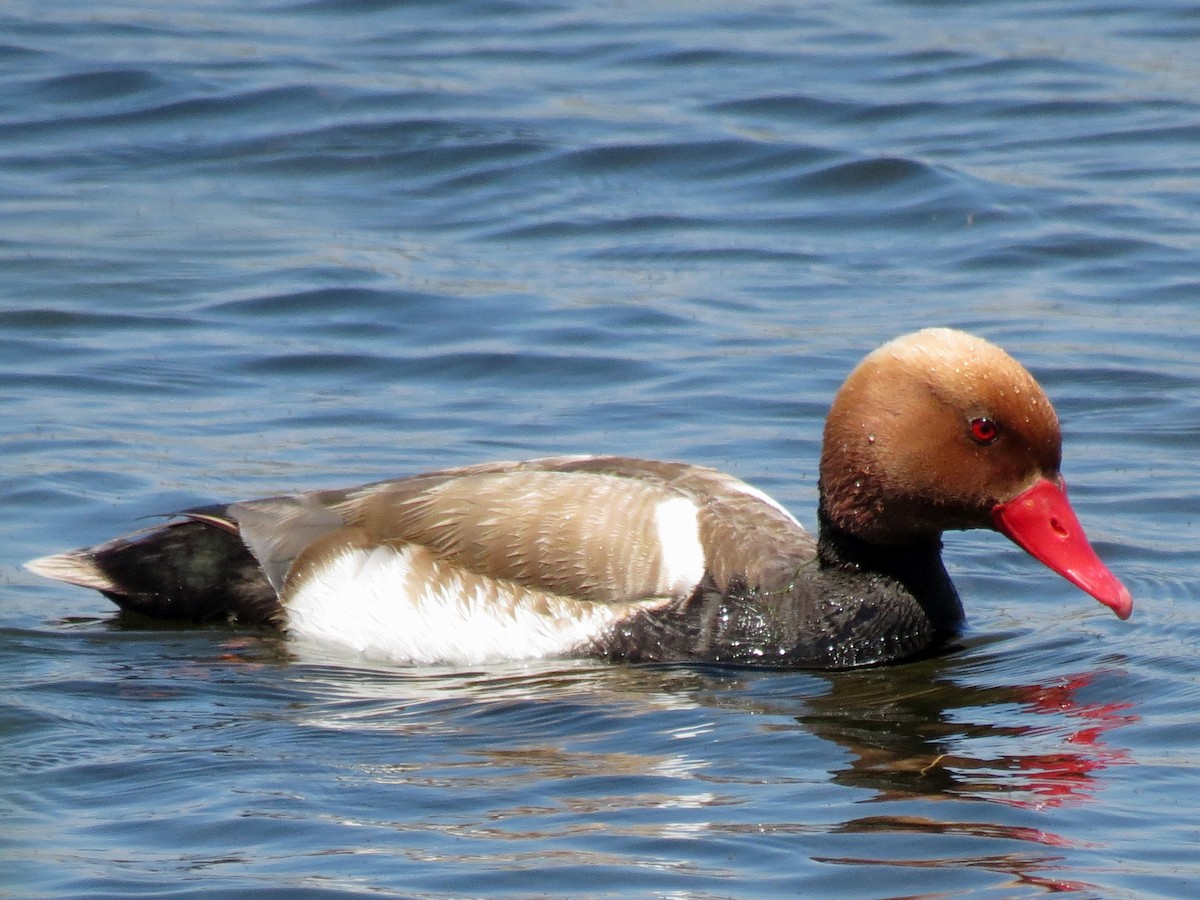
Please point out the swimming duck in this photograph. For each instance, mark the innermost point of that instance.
(642, 560)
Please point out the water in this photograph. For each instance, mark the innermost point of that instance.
(306, 244)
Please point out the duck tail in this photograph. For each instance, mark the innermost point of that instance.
(196, 569)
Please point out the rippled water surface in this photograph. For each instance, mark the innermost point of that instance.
(254, 248)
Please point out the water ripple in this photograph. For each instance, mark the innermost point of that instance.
(250, 250)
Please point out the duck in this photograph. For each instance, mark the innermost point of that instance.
(641, 560)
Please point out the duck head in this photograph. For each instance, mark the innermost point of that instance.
(940, 430)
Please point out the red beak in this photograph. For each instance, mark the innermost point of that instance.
(1040, 521)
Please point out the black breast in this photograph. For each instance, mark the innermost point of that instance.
(855, 605)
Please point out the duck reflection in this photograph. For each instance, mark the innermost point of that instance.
(923, 730)
(949, 763)
(940, 728)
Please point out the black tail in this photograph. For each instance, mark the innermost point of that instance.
(190, 570)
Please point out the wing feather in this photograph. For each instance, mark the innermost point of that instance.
(591, 528)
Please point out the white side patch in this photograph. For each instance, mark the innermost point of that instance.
(403, 605)
(683, 563)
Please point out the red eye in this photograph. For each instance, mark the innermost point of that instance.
(984, 430)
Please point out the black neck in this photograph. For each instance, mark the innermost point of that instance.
(915, 565)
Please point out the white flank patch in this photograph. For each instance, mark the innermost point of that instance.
(683, 562)
(402, 605)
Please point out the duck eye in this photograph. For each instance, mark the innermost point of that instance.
(984, 430)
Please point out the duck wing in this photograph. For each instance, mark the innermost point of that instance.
(601, 529)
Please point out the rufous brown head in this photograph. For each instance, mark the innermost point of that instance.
(940, 430)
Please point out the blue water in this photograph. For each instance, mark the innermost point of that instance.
(309, 244)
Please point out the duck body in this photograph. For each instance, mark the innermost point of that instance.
(622, 558)
(641, 560)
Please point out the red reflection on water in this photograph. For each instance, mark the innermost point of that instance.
(1068, 775)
